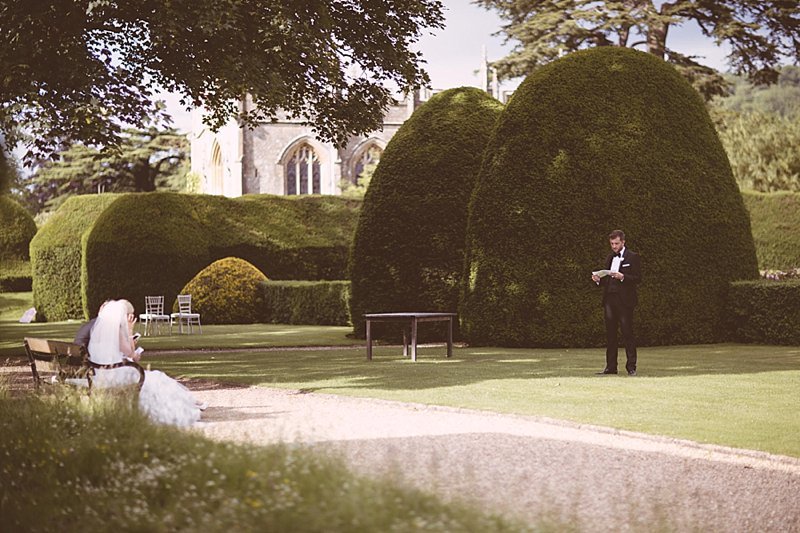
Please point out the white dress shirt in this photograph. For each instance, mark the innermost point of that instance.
(617, 261)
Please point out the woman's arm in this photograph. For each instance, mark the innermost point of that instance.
(127, 344)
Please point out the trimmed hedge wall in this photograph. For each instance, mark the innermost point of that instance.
(56, 257)
(775, 219)
(306, 302)
(602, 139)
(17, 229)
(170, 237)
(408, 251)
(15, 275)
(765, 312)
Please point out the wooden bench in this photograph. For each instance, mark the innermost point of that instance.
(67, 361)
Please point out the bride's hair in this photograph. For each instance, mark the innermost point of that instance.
(109, 329)
(128, 306)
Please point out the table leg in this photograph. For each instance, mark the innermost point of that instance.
(450, 337)
(414, 339)
(405, 342)
(369, 341)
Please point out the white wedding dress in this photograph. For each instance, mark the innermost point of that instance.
(162, 399)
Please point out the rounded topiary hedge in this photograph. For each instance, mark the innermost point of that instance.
(602, 139)
(775, 219)
(17, 229)
(56, 257)
(227, 291)
(408, 250)
(154, 243)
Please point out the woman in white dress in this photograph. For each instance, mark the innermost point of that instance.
(163, 399)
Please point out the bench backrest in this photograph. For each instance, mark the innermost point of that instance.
(63, 353)
(63, 359)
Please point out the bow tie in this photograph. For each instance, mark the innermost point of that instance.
(617, 255)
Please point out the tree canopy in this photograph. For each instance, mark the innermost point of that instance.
(760, 129)
(146, 160)
(7, 172)
(761, 34)
(781, 99)
(86, 69)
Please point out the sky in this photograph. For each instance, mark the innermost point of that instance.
(453, 54)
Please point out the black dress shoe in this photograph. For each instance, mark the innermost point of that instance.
(631, 372)
(605, 371)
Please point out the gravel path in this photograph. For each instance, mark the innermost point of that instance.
(535, 469)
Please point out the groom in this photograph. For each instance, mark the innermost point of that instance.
(619, 299)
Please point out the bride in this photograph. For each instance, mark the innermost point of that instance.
(163, 399)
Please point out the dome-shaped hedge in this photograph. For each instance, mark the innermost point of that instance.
(17, 228)
(227, 292)
(598, 140)
(408, 250)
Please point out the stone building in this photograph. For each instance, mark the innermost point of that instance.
(286, 158)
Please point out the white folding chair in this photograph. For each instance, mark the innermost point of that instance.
(185, 314)
(154, 315)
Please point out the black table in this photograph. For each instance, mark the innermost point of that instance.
(414, 318)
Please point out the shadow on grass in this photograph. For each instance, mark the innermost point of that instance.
(349, 369)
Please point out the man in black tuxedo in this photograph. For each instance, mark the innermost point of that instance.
(622, 274)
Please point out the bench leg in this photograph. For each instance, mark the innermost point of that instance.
(414, 339)
(369, 341)
(450, 337)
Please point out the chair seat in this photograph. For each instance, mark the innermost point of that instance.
(154, 314)
(185, 314)
(156, 319)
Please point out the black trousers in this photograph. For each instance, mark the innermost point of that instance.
(619, 316)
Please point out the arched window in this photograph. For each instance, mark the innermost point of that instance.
(216, 170)
(303, 171)
(370, 156)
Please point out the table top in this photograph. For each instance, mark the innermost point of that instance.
(409, 315)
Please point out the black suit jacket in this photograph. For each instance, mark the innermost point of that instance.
(631, 268)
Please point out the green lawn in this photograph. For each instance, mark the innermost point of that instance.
(734, 395)
(14, 304)
(745, 396)
(213, 337)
